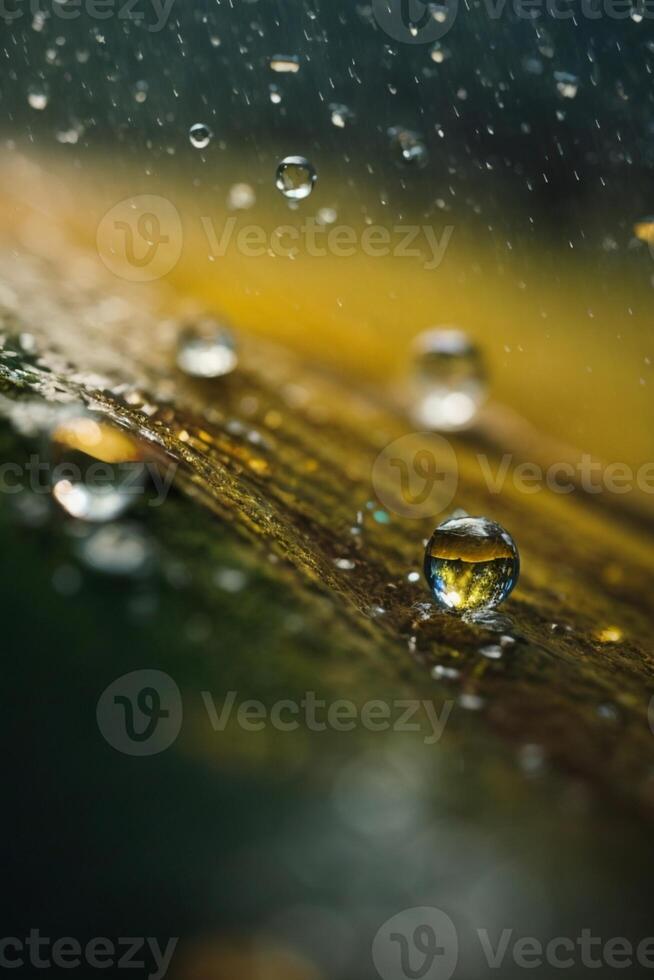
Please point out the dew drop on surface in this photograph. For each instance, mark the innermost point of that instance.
(471, 563)
(341, 115)
(448, 381)
(296, 177)
(200, 135)
(37, 98)
(285, 64)
(567, 85)
(117, 549)
(207, 351)
(408, 148)
(96, 472)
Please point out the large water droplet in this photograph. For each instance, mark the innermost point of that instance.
(96, 469)
(207, 350)
(448, 384)
(200, 135)
(295, 178)
(471, 563)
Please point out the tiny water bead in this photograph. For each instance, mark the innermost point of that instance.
(96, 469)
(200, 135)
(448, 381)
(207, 350)
(296, 177)
(471, 563)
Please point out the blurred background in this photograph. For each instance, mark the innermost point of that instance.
(531, 138)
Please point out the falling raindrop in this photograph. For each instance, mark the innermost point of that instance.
(408, 147)
(341, 115)
(285, 63)
(471, 563)
(200, 136)
(567, 85)
(448, 384)
(207, 350)
(295, 178)
(37, 97)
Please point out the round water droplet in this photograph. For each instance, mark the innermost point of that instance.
(241, 197)
(200, 136)
(448, 384)
(207, 350)
(471, 563)
(37, 97)
(295, 178)
(117, 549)
(408, 147)
(342, 115)
(567, 85)
(96, 470)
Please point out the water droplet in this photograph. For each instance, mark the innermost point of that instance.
(567, 85)
(345, 564)
(37, 97)
(140, 92)
(413, 577)
(285, 63)
(448, 384)
(117, 549)
(470, 701)
(408, 147)
(532, 759)
(342, 115)
(200, 135)
(440, 672)
(439, 53)
(471, 563)
(241, 197)
(295, 178)
(493, 651)
(96, 469)
(207, 350)
(230, 580)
